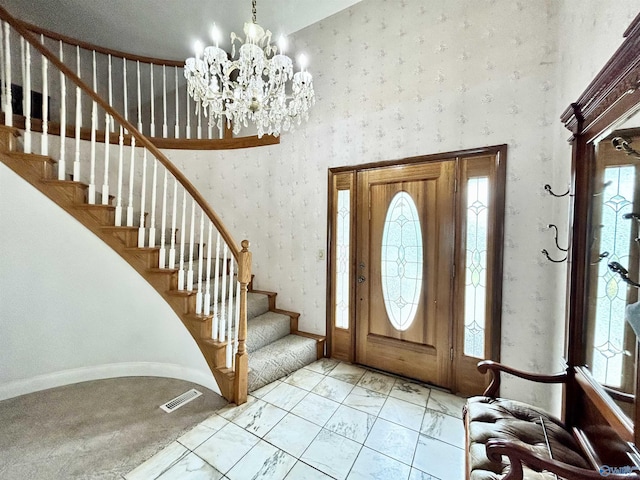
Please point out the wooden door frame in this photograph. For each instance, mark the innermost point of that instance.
(500, 152)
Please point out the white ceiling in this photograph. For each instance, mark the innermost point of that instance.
(166, 28)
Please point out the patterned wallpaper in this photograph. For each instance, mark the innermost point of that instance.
(408, 77)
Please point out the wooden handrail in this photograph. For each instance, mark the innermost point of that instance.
(141, 140)
(90, 46)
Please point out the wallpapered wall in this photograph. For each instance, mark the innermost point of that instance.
(401, 78)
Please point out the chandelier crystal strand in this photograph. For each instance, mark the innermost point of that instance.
(258, 87)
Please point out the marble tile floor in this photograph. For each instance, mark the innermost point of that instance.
(328, 420)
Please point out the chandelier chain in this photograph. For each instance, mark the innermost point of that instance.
(254, 17)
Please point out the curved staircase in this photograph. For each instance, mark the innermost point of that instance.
(245, 339)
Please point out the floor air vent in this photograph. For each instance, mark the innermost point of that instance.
(180, 400)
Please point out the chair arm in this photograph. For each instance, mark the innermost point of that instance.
(495, 368)
(519, 455)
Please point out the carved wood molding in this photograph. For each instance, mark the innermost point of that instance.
(618, 78)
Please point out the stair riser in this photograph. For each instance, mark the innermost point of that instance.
(217, 355)
(8, 139)
(69, 194)
(178, 304)
(126, 237)
(185, 303)
(200, 328)
(40, 168)
(144, 258)
(269, 364)
(265, 330)
(162, 282)
(99, 215)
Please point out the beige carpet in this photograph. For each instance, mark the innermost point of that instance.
(94, 430)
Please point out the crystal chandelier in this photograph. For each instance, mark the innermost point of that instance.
(259, 86)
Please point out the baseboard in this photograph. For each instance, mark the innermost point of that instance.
(114, 370)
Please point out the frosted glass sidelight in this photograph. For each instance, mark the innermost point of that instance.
(475, 285)
(615, 238)
(401, 261)
(343, 219)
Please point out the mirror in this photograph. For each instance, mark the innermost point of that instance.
(613, 273)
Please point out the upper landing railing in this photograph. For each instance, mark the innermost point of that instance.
(149, 92)
(133, 176)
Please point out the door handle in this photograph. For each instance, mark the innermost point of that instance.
(361, 279)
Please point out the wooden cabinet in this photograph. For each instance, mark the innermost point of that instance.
(609, 109)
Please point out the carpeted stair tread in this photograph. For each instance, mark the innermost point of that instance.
(265, 329)
(257, 304)
(279, 359)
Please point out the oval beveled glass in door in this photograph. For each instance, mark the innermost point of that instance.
(401, 261)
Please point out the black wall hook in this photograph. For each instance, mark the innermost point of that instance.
(600, 257)
(547, 187)
(546, 254)
(615, 267)
(551, 225)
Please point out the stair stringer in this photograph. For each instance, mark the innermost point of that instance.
(37, 170)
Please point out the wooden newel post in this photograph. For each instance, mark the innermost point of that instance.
(242, 358)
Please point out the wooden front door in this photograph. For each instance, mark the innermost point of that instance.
(404, 269)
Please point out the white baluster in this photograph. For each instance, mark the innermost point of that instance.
(188, 127)
(143, 198)
(209, 131)
(230, 313)
(8, 108)
(76, 161)
(176, 131)
(91, 193)
(216, 285)
(154, 195)
(27, 99)
(191, 245)
(223, 296)
(124, 88)
(131, 179)
(108, 127)
(200, 261)
(182, 229)
(163, 225)
(174, 217)
(207, 291)
(22, 68)
(62, 165)
(111, 122)
(44, 145)
(107, 144)
(120, 172)
(165, 128)
(139, 96)
(153, 110)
